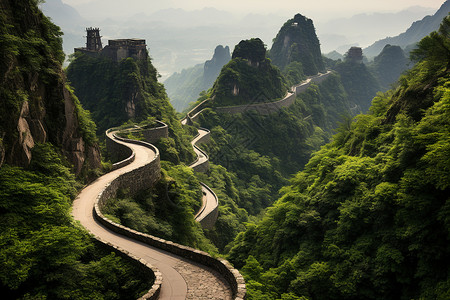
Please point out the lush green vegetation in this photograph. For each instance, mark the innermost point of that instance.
(166, 210)
(252, 154)
(389, 65)
(184, 88)
(248, 78)
(43, 254)
(297, 42)
(359, 83)
(106, 87)
(293, 73)
(368, 217)
(31, 53)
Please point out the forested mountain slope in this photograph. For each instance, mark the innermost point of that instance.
(185, 87)
(128, 90)
(248, 78)
(413, 34)
(45, 138)
(389, 65)
(297, 42)
(359, 83)
(368, 217)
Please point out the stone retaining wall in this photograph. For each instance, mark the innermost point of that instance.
(152, 135)
(142, 178)
(271, 107)
(262, 108)
(139, 179)
(210, 219)
(135, 180)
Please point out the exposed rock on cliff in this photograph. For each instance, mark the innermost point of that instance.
(116, 92)
(297, 42)
(212, 67)
(249, 77)
(36, 107)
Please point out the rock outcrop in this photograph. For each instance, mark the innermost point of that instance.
(36, 106)
(297, 42)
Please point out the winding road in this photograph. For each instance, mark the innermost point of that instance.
(182, 278)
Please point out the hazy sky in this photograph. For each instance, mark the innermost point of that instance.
(327, 8)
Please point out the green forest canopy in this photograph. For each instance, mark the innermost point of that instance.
(368, 218)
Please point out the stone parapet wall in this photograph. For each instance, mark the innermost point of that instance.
(262, 108)
(142, 178)
(193, 114)
(231, 275)
(208, 221)
(271, 107)
(118, 152)
(154, 291)
(152, 135)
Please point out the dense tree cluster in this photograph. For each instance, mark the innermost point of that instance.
(109, 90)
(368, 216)
(248, 78)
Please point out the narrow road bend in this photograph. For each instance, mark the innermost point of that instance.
(182, 279)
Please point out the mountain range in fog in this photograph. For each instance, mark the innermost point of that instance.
(178, 38)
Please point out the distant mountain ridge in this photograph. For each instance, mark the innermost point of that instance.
(413, 34)
(185, 87)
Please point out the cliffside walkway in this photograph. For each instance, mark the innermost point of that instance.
(264, 108)
(181, 278)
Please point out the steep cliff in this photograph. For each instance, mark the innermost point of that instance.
(185, 87)
(37, 106)
(44, 254)
(127, 90)
(249, 77)
(297, 42)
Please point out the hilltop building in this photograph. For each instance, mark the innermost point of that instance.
(116, 49)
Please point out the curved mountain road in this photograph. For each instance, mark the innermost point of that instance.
(182, 279)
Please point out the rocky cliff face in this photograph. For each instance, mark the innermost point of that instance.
(249, 77)
(212, 67)
(185, 87)
(36, 106)
(297, 42)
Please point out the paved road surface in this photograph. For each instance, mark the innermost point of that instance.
(182, 279)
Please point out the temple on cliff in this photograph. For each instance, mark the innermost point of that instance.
(116, 49)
